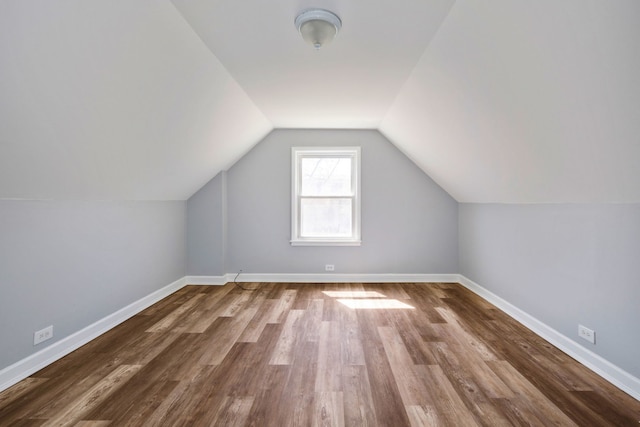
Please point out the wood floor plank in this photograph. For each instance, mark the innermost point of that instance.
(116, 339)
(331, 309)
(304, 369)
(609, 412)
(415, 333)
(517, 412)
(536, 401)
(155, 344)
(281, 309)
(177, 360)
(387, 401)
(28, 422)
(469, 371)
(93, 423)
(215, 305)
(268, 403)
(179, 405)
(413, 391)
(313, 320)
(519, 360)
(286, 354)
(166, 322)
(66, 386)
(255, 327)
(18, 390)
(351, 339)
(329, 368)
(389, 290)
(276, 290)
(244, 371)
(461, 337)
(329, 409)
(448, 404)
(303, 411)
(234, 411)
(170, 302)
(299, 388)
(134, 403)
(240, 299)
(215, 299)
(359, 409)
(223, 338)
(423, 416)
(96, 394)
(283, 353)
(425, 300)
(609, 397)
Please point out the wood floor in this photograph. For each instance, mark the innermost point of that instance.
(325, 355)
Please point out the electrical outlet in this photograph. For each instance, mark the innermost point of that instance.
(43, 335)
(587, 334)
(329, 267)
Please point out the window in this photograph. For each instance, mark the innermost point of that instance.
(325, 196)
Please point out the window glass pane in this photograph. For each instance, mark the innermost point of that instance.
(325, 217)
(326, 176)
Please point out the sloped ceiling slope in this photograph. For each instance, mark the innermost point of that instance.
(114, 100)
(348, 84)
(510, 101)
(527, 101)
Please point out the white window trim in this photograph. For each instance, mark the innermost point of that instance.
(297, 153)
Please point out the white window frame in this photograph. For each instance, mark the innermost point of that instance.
(297, 154)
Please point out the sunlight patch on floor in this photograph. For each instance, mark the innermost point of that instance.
(374, 303)
(353, 294)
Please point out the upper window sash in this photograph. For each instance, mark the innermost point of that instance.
(352, 193)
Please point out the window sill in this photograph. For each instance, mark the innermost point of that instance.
(326, 242)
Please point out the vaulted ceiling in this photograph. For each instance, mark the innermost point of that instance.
(503, 101)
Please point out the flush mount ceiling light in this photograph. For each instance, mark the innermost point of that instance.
(318, 26)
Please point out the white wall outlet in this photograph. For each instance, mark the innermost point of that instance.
(587, 334)
(329, 267)
(43, 335)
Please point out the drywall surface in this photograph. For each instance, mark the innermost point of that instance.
(564, 264)
(527, 102)
(71, 263)
(409, 224)
(114, 100)
(206, 229)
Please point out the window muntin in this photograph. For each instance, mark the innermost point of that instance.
(325, 196)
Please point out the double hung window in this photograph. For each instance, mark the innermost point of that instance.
(325, 196)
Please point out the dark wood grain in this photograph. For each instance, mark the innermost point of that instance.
(299, 355)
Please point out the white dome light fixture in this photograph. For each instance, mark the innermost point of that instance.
(318, 26)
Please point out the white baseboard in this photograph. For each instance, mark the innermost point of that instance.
(345, 278)
(607, 370)
(208, 280)
(31, 364)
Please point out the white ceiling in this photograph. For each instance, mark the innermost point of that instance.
(528, 102)
(503, 101)
(114, 100)
(348, 84)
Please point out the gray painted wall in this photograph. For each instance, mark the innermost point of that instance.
(69, 264)
(206, 229)
(565, 264)
(409, 224)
